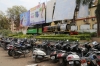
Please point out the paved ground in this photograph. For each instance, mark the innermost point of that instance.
(5, 60)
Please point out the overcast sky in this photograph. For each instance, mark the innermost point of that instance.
(4, 4)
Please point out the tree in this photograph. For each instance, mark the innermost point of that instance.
(14, 14)
(4, 22)
(1, 14)
(97, 12)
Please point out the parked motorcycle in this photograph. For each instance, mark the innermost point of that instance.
(21, 49)
(42, 52)
(56, 50)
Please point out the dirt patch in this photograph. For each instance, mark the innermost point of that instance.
(96, 39)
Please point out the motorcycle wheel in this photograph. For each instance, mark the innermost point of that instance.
(54, 61)
(37, 60)
(4, 46)
(10, 52)
(62, 63)
(0, 44)
(92, 64)
(15, 55)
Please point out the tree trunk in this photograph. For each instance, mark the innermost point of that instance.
(98, 27)
(98, 19)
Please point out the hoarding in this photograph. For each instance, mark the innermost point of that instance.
(37, 14)
(49, 10)
(83, 10)
(25, 19)
(64, 9)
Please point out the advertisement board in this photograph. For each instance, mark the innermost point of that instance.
(25, 19)
(83, 10)
(37, 14)
(49, 10)
(64, 9)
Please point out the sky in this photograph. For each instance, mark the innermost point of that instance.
(4, 4)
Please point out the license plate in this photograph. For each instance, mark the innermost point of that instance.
(53, 57)
(71, 62)
(84, 64)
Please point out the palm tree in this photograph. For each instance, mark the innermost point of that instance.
(97, 13)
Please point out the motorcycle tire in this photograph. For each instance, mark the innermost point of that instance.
(37, 60)
(4, 47)
(54, 61)
(62, 63)
(0, 44)
(92, 64)
(10, 52)
(15, 55)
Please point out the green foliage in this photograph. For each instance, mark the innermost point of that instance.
(14, 14)
(58, 38)
(99, 1)
(5, 32)
(4, 21)
(19, 35)
(64, 36)
(93, 34)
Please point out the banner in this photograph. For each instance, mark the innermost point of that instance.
(25, 19)
(37, 14)
(49, 10)
(83, 10)
(64, 9)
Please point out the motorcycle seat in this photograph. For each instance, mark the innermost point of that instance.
(61, 51)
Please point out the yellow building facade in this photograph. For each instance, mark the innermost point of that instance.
(90, 20)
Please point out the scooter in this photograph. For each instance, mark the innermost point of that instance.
(73, 59)
(40, 53)
(56, 50)
(61, 55)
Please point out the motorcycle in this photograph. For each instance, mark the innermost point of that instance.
(73, 59)
(21, 50)
(41, 52)
(10, 49)
(55, 51)
(61, 55)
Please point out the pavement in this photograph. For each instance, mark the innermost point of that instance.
(5, 60)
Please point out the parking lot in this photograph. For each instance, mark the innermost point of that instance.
(5, 60)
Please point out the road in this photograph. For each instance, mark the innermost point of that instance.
(5, 60)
